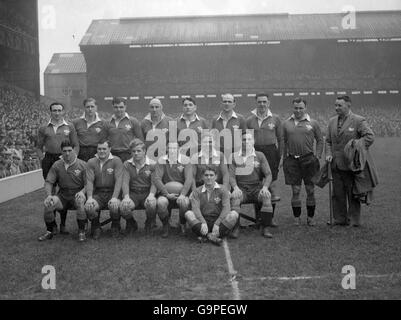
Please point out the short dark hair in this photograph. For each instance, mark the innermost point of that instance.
(136, 143)
(55, 104)
(105, 142)
(345, 98)
(66, 143)
(117, 100)
(299, 100)
(189, 99)
(261, 94)
(89, 100)
(209, 168)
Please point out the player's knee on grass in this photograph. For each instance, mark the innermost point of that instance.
(236, 204)
(92, 211)
(191, 218)
(184, 205)
(162, 207)
(230, 220)
(127, 211)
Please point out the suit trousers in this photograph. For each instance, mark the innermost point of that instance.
(345, 205)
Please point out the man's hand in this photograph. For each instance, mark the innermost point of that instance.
(126, 203)
(216, 230)
(49, 201)
(172, 196)
(80, 197)
(237, 193)
(204, 229)
(329, 158)
(113, 204)
(264, 192)
(90, 203)
(150, 200)
(181, 199)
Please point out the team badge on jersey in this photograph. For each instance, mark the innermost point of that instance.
(180, 168)
(66, 132)
(128, 127)
(309, 127)
(200, 129)
(271, 126)
(217, 200)
(77, 172)
(110, 170)
(235, 126)
(350, 129)
(98, 130)
(256, 164)
(147, 173)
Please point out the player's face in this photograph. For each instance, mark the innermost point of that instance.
(57, 112)
(188, 107)
(342, 107)
(155, 110)
(262, 104)
(209, 178)
(119, 109)
(247, 142)
(299, 110)
(227, 102)
(68, 154)
(138, 153)
(103, 151)
(90, 109)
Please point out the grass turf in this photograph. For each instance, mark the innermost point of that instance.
(148, 267)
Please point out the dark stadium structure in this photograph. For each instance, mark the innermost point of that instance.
(19, 46)
(312, 55)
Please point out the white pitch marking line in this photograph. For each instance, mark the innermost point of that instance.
(320, 277)
(231, 271)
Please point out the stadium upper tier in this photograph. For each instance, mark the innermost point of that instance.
(242, 28)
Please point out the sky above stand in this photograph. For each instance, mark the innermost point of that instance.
(62, 23)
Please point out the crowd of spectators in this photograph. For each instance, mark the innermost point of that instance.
(21, 116)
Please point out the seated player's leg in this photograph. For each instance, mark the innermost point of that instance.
(49, 218)
(194, 223)
(183, 207)
(79, 205)
(114, 210)
(93, 213)
(266, 211)
(229, 224)
(127, 212)
(162, 205)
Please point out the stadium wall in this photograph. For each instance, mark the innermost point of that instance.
(315, 67)
(16, 186)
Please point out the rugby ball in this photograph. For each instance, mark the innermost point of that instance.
(174, 187)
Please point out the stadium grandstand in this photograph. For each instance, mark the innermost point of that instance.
(311, 55)
(65, 79)
(19, 46)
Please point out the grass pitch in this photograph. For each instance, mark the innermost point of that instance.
(149, 267)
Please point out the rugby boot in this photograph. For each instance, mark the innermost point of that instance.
(47, 236)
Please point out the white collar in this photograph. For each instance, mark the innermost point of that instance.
(269, 114)
(125, 116)
(214, 153)
(68, 164)
(165, 158)
(305, 117)
(148, 161)
(253, 153)
(97, 118)
(183, 117)
(216, 186)
(149, 117)
(109, 158)
(62, 123)
(234, 115)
